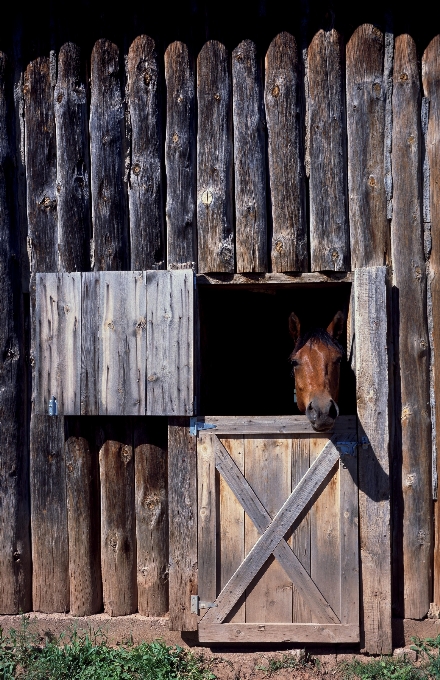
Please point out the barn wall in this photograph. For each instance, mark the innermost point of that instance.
(277, 143)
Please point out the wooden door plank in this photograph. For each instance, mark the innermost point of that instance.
(231, 529)
(300, 541)
(268, 466)
(58, 350)
(366, 100)
(249, 160)
(147, 248)
(349, 538)
(214, 160)
(281, 523)
(90, 330)
(206, 518)
(180, 157)
(284, 115)
(122, 343)
(170, 342)
(373, 394)
(253, 425)
(283, 632)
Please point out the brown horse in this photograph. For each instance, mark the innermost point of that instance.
(316, 359)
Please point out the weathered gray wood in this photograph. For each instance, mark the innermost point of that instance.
(15, 554)
(349, 539)
(90, 366)
(122, 343)
(413, 440)
(214, 160)
(284, 114)
(275, 424)
(249, 160)
(279, 279)
(107, 150)
(366, 99)
(73, 167)
(372, 395)
(83, 513)
(278, 632)
(50, 551)
(207, 517)
(145, 185)
(431, 84)
(118, 531)
(180, 157)
(262, 520)
(58, 343)
(329, 231)
(300, 540)
(151, 498)
(182, 493)
(281, 523)
(170, 342)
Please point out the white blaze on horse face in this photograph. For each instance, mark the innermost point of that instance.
(317, 372)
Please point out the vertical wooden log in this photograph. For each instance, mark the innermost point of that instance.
(73, 173)
(151, 489)
(250, 161)
(107, 148)
(180, 157)
(15, 553)
(50, 550)
(182, 493)
(409, 311)
(118, 531)
(366, 100)
(373, 397)
(145, 185)
(431, 86)
(329, 232)
(214, 161)
(284, 115)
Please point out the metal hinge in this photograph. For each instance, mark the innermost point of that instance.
(196, 605)
(53, 407)
(196, 425)
(349, 448)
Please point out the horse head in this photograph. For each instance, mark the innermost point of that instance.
(316, 360)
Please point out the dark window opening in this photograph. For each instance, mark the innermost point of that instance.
(245, 346)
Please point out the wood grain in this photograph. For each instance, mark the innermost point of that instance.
(300, 540)
(330, 278)
(366, 101)
(206, 518)
(107, 150)
(145, 184)
(180, 157)
(281, 632)
(413, 443)
(214, 160)
(329, 231)
(249, 159)
(259, 425)
(90, 358)
(285, 121)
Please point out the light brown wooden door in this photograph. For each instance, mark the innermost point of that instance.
(278, 531)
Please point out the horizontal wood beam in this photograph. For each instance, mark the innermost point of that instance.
(344, 425)
(280, 279)
(278, 632)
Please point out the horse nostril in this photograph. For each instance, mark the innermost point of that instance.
(311, 413)
(333, 410)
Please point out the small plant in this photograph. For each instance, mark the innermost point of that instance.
(429, 650)
(288, 661)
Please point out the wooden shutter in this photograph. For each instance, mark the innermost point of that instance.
(115, 343)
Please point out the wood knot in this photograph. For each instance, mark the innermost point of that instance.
(175, 138)
(403, 77)
(335, 255)
(206, 197)
(126, 454)
(276, 91)
(239, 56)
(47, 204)
(411, 140)
(153, 377)
(377, 32)
(377, 89)
(217, 96)
(60, 98)
(136, 169)
(147, 77)
(113, 542)
(371, 181)
(179, 99)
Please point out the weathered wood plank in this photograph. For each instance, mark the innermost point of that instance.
(249, 159)
(151, 497)
(372, 395)
(170, 342)
(58, 342)
(73, 167)
(413, 434)
(284, 114)
(349, 539)
(281, 523)
(15, 554)
(282, 632)
(180, 157)
(328, 278)
(83, 512)
(329, 231)
(90, 366)
(182, 493)
(214, 160)
(206, 518)
(145, 186)
(107, 150)
(260, 425)
(122, 343)
(300, 540)
(268, 465)
(118, 531)
(431, 84)
(366, 100)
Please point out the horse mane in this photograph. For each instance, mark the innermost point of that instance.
(317, 335)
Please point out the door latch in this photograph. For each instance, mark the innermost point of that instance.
(196, 605)
(349, 448)
(196, 425)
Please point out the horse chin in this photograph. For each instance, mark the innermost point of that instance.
(325, 427)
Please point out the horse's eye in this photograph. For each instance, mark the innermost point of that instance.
(295, 363)
(338, 360)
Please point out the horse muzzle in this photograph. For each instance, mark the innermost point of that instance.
(322, 415)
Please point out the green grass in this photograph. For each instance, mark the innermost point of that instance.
(288, 661)
(85, 657)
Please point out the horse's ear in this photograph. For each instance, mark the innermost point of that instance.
(294, 327)
(336, 326)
